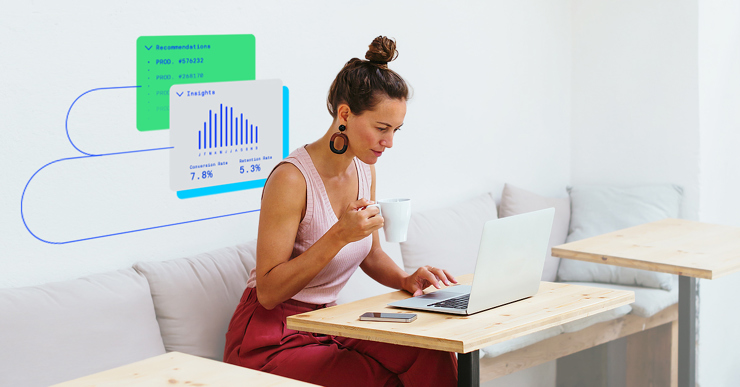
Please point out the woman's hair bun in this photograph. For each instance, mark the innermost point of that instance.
(382, 50)
(361, 84)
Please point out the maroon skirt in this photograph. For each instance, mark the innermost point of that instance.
(258, 339)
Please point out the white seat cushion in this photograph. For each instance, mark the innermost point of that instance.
(648, 301)
(195, 297)
(521, 342)
(65, 330)
(448, 238)
(582, 323)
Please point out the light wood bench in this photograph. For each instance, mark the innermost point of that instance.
(595, 356)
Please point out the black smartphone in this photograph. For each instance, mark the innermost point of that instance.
(389, 317)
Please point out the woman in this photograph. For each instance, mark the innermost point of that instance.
(315, 229)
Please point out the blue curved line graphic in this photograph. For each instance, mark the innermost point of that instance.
(118, 233)
(86, 155)
(66, 121)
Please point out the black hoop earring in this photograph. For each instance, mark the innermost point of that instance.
(344, 138)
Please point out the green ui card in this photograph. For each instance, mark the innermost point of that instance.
(163, 61)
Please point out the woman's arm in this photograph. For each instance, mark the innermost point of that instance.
(380, 267)
(283, 205)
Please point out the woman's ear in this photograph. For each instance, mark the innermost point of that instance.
(343, 112)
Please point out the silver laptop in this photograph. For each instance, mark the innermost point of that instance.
(511, 258)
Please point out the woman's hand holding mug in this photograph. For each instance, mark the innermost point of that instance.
(358, 221)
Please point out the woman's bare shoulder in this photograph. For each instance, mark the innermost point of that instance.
(287, 173)
(287, 185)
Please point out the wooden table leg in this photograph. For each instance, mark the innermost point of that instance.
(686, 331)
(468, 369)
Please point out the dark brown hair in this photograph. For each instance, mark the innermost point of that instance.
(362, 83)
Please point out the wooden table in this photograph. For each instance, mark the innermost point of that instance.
(175, 368)
(687, 248)
(554, 304)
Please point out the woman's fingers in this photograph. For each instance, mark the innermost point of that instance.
(439, 275)
(360, 204)
(372, 210)
(442, 275)
(369, 207)
(428, 275)
(367, 213)
(445, 277)
(371, 213)
(358, 222)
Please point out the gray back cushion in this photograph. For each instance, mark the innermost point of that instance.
(449, 237)
(515, 201)
(195, 297)
(600, 209)
(65, 330)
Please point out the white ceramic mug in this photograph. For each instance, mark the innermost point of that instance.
(396, 214)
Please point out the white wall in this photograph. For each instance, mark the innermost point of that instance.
(655, 96)
(491, 105)
(635, 100)
(719, 103)
(537, 93)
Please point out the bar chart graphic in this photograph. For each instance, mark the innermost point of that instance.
(224, 134)
(223, 130)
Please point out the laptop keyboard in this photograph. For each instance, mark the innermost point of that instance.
(460, 302)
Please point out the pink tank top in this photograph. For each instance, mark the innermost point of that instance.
(319, 218)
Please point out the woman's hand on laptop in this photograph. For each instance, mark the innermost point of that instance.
(425, 276)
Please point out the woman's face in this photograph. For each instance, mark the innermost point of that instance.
(371, 132)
